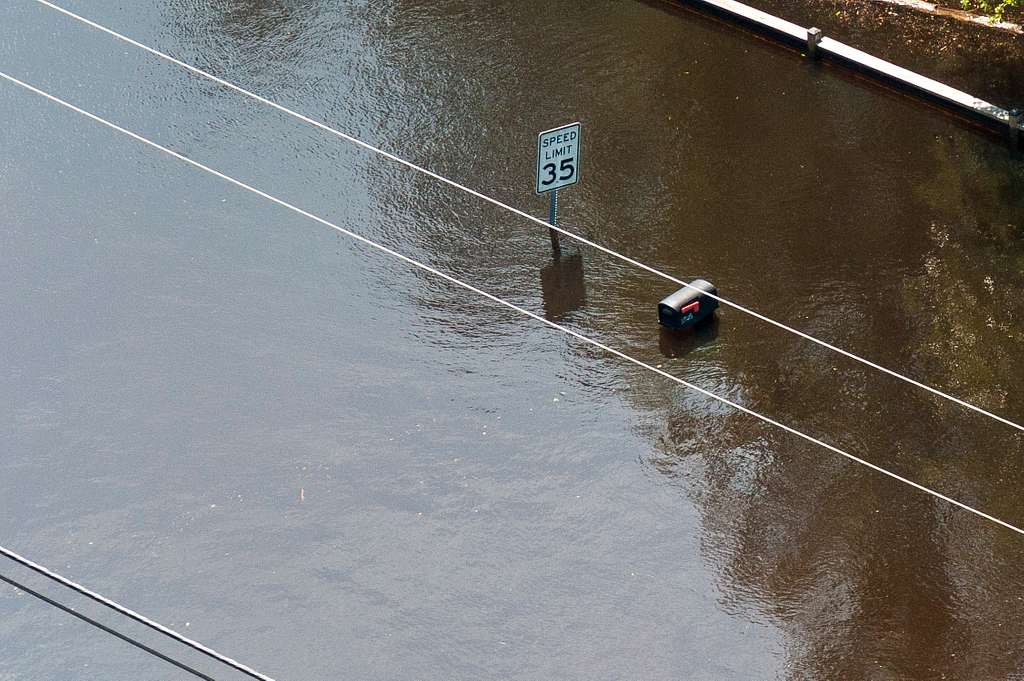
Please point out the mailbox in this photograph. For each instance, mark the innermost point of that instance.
(688, 306)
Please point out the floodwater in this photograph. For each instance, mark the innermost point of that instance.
(329, 465)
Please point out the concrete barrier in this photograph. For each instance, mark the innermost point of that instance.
(813, 43)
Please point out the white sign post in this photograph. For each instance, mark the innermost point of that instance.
(558, 165)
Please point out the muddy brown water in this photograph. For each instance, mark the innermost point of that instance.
(331, 466)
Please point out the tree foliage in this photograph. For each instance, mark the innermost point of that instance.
(994, 8)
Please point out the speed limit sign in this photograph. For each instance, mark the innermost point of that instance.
(558, 158)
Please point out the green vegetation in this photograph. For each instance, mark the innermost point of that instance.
(995, 9)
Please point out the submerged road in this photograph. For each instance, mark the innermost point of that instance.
(327, 465)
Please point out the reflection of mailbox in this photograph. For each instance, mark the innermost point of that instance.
(687, 306)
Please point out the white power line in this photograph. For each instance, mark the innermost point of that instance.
(501, 301)
(516, 211)
(131, 614)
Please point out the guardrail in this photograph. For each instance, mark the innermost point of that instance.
(1008, 122)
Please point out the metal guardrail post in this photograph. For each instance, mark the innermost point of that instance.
(814, 36)
(1016, 121)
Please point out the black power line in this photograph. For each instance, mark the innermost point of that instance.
(131, 614)
(103, 627)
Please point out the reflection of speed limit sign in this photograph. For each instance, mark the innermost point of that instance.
(558, 158)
